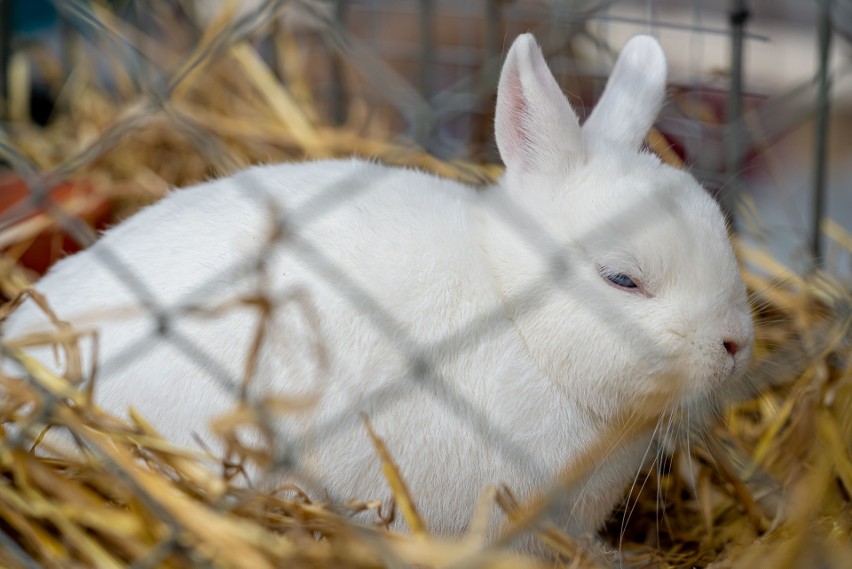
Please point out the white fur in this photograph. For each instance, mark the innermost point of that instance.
(495, 297)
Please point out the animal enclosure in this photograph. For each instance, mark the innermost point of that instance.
(146, 97)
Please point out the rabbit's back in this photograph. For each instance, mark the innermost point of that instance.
(370, 271)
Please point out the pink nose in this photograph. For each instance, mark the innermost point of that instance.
(731, 347)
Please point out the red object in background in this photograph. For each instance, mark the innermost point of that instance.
(47, 242)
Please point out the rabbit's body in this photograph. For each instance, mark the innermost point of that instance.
(489, 335)
(425, 350)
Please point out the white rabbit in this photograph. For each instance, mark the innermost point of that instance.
(489, 334)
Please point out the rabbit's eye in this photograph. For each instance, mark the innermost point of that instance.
(621, 280)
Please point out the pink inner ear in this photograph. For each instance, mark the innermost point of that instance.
(537, 131)
(516, 128)
(518, 116)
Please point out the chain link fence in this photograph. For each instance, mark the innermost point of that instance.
(154, 95)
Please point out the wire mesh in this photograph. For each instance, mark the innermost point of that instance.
(419, 74)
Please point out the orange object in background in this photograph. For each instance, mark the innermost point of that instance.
(37, 240)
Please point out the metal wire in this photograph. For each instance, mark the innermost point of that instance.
(427, 107)
(823, 107)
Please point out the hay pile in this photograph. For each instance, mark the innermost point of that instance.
(770, 485)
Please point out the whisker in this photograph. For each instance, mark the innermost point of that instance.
(629, 423)
(628, 510)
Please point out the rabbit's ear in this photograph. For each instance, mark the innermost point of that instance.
(536, 129)
(633, 95)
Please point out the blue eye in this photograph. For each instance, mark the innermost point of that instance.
(621, 280)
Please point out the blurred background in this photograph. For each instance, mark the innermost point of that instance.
(106, 106)
(759, 106)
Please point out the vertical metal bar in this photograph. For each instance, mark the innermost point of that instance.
(734, 140)
(821, 135)
(493, 56)
(5, 53)
(423, 121)
(493, 33)
(427, 48)
(339, 99)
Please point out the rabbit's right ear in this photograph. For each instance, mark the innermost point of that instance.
(537, 131)
(633, 95)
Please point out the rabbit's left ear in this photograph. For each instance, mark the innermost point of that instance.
(633, 95)
(537, 131)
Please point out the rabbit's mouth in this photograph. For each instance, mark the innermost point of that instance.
(708, 395)
(695, 393)
(702, 405)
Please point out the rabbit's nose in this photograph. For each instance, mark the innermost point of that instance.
(731, 347)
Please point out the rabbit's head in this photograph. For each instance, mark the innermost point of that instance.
(616, 268)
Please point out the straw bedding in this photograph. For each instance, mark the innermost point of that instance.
(767, 485)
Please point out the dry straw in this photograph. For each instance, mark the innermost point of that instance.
(767, 485)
